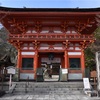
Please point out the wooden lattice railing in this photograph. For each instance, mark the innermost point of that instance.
(52, 36)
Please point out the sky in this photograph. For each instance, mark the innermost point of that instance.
(50, 3)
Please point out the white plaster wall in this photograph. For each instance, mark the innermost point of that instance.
(28, 53)
(74, 53)
(77, 48)
(26, 75)
(71, 48)
(25, 48)
(43, 48)
(59, 48)
(75, 76)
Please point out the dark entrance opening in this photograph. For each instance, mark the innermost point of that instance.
(51, 62)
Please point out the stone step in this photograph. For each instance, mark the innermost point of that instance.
(66, 88)
(42, 93)
(50, 85)
(70, 87)
(47, 91)
(56, 89)
(68, 82)
(36, 89)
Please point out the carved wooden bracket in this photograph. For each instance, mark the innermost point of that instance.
(51, 30)
(84, 44)
(66, 43)
(16, 43)
(83, 25)
(36, 44)
(21, 26)
(37, 26)
(51, 47)
(64, 26)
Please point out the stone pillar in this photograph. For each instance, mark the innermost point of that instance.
(98, 71)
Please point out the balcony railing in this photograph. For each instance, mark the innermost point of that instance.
(52, 36)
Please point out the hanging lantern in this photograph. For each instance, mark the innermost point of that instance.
(51, 56)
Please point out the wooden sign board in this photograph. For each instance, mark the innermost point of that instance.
(93, 74)
(64, 71)
(11, 70)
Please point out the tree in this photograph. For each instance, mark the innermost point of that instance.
(6, 49)
(91, 50)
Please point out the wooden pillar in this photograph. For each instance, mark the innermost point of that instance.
(66, 58)
(82, 62)
(35, 63)
(19, 59)
(66, 43)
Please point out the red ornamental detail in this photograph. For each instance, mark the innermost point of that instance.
(51, 47)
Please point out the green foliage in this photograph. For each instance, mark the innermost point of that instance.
(91, 50)
(4, 34)
(5, 47)
(89, 59)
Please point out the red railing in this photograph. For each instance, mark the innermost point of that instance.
(52, 36)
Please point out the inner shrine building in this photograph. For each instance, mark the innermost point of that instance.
(48, 37)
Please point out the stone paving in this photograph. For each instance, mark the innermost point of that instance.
(48, 91)
(47, 97)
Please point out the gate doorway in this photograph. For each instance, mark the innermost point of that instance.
(51, 65)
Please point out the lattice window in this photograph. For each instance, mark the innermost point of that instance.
(27, 63)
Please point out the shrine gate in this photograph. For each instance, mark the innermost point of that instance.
(50, 36)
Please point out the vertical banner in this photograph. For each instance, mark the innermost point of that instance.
(98, 70)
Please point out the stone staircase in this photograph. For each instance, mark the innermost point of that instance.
(45, 88)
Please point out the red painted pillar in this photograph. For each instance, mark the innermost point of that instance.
(19, 62)
(35, 63)
(19, 59)
(82, 62)
(66, 58)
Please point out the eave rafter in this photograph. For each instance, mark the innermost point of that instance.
(20, 25)
(98, 19)
(84, 25)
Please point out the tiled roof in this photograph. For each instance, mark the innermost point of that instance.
(50, 9)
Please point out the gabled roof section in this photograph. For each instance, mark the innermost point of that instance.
(18, 20)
